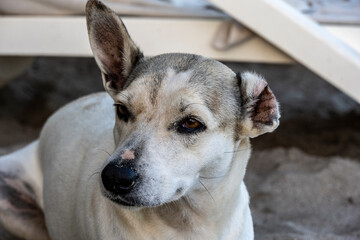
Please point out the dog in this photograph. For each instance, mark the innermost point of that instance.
(161, 154)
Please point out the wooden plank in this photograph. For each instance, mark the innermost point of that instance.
(330, 11)
(301, 38)
(348, 34)
(67, 36)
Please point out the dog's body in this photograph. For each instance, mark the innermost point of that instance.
(171, 168)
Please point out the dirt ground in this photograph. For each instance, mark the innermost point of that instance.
(303, 178)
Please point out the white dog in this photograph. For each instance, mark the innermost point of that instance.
(161, 155)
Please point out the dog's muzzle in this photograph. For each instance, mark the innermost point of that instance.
(119, 179)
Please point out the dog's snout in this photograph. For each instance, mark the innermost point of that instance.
(119, 178)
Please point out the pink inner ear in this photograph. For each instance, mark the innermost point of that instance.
(260, 87)
(266, 109)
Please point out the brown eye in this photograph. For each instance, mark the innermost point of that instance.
(190, 125)
(122, 112)
(122, 109)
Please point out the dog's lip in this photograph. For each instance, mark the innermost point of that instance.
(120, 201)
(117, 199)
(128, 203)
(123, 202)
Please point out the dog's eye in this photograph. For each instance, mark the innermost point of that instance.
(190, 125)
(122, 112)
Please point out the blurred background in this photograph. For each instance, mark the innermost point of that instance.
(303, 178)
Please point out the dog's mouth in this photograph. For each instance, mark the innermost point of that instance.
(119, 200)
(124, 203)
(131, 201)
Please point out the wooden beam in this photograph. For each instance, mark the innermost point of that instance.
(67, 36)
(345, 12)
(301, 38)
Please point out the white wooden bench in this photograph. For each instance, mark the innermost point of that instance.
(332, 51)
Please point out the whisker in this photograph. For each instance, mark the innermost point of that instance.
(97, 172)
(207, 190)
(212, 177)
(239, 150)
(103, 150)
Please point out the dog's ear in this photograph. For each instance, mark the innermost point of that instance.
(115, 52)
(259, 109)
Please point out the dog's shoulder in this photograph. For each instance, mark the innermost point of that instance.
(83, 113)
(78, 126)
(85, 105)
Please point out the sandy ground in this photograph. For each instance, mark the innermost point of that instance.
(303, 179)
(295, 195)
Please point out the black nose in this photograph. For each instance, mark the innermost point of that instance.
(119, 178)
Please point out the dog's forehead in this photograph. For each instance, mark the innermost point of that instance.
(163, 91)
(202, 68)
(180, 76)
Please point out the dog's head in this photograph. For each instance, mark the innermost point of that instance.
(178, 116)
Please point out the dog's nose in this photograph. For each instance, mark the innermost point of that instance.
(119, 178)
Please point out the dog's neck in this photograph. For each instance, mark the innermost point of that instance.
(213, 207)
